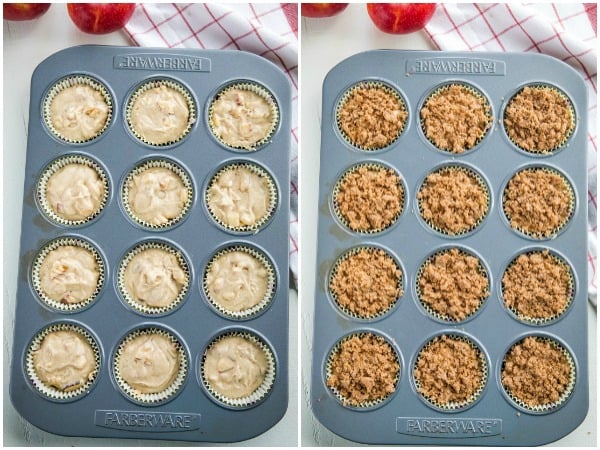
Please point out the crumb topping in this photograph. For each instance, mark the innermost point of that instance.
(372, 117)
(455, 118)
(452, 200)
(367, 283)
(453, 284)
(536, 372)
(539, 119)
(370, 199)
(538, 202)
(537, 285)
(364, 369)
(448, 370)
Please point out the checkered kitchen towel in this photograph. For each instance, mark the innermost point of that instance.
(268, 30)
(566, 31)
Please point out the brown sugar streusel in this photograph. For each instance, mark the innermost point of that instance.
(538, 202)
(366, 283)
(453, 200)
(537, 285)
(539, 119)
(449, 370)
(371, 116)
(455, 118)
(453, 284)
(536, 372)
(369, 198)
(363, 370)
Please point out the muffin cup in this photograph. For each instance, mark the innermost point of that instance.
(154, 83)
(264, 302)
(562, 95)
(262, 92)
(151, 164)
(445, 317)
(541, 321)
(345, 256)
(367, 405)
(261, 392)
(477, 94)
(547, 407)
(542, 235)
(68, 82)
(371, 84)
(336, 189)
(274, 197)
(156, 398)
(453, 406)
(138, 306)
(51, 169)
(51, 392)
(37, 264)
(480, 181)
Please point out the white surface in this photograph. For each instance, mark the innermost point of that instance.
(324, 43)
(26, 44)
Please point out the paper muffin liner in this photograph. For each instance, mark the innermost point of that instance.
(68, 82)
(561, 94)
(156, 398)
(546, 407)
(51, 392)
(349, 254)
(345, 402)
(477, 94)
(151, 164)
(51, 169)
(274, 197)
(480, 181)
(454, 406)
(371, 166)
(370, 85)
(37, 264)
(139, 306)
(262, 92)
(261, 392)
(540, 321)
(549, 234)
(271, 283)
(169, 83)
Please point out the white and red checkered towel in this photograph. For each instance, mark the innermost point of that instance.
(566, 31)
(268, 30)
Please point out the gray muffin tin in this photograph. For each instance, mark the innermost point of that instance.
(405, 418)
(193, 414)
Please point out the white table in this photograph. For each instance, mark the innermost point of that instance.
(325, 42)
(26, 44)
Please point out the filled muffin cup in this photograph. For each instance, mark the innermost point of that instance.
(157, 194)
(48, 362)
(154, 278)
(77, 109)
(371, 115)
(251, 362)
(243, 116)
(145, 386)
(160, 112)
(56, 267)
(538, 374)
(239, 281)
(73, 190)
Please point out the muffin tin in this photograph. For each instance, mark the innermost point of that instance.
(492, 417)
(189, 411)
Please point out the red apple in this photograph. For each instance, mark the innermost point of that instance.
(100, 18)
(24, 11)
(400, 18)
(322, 9)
